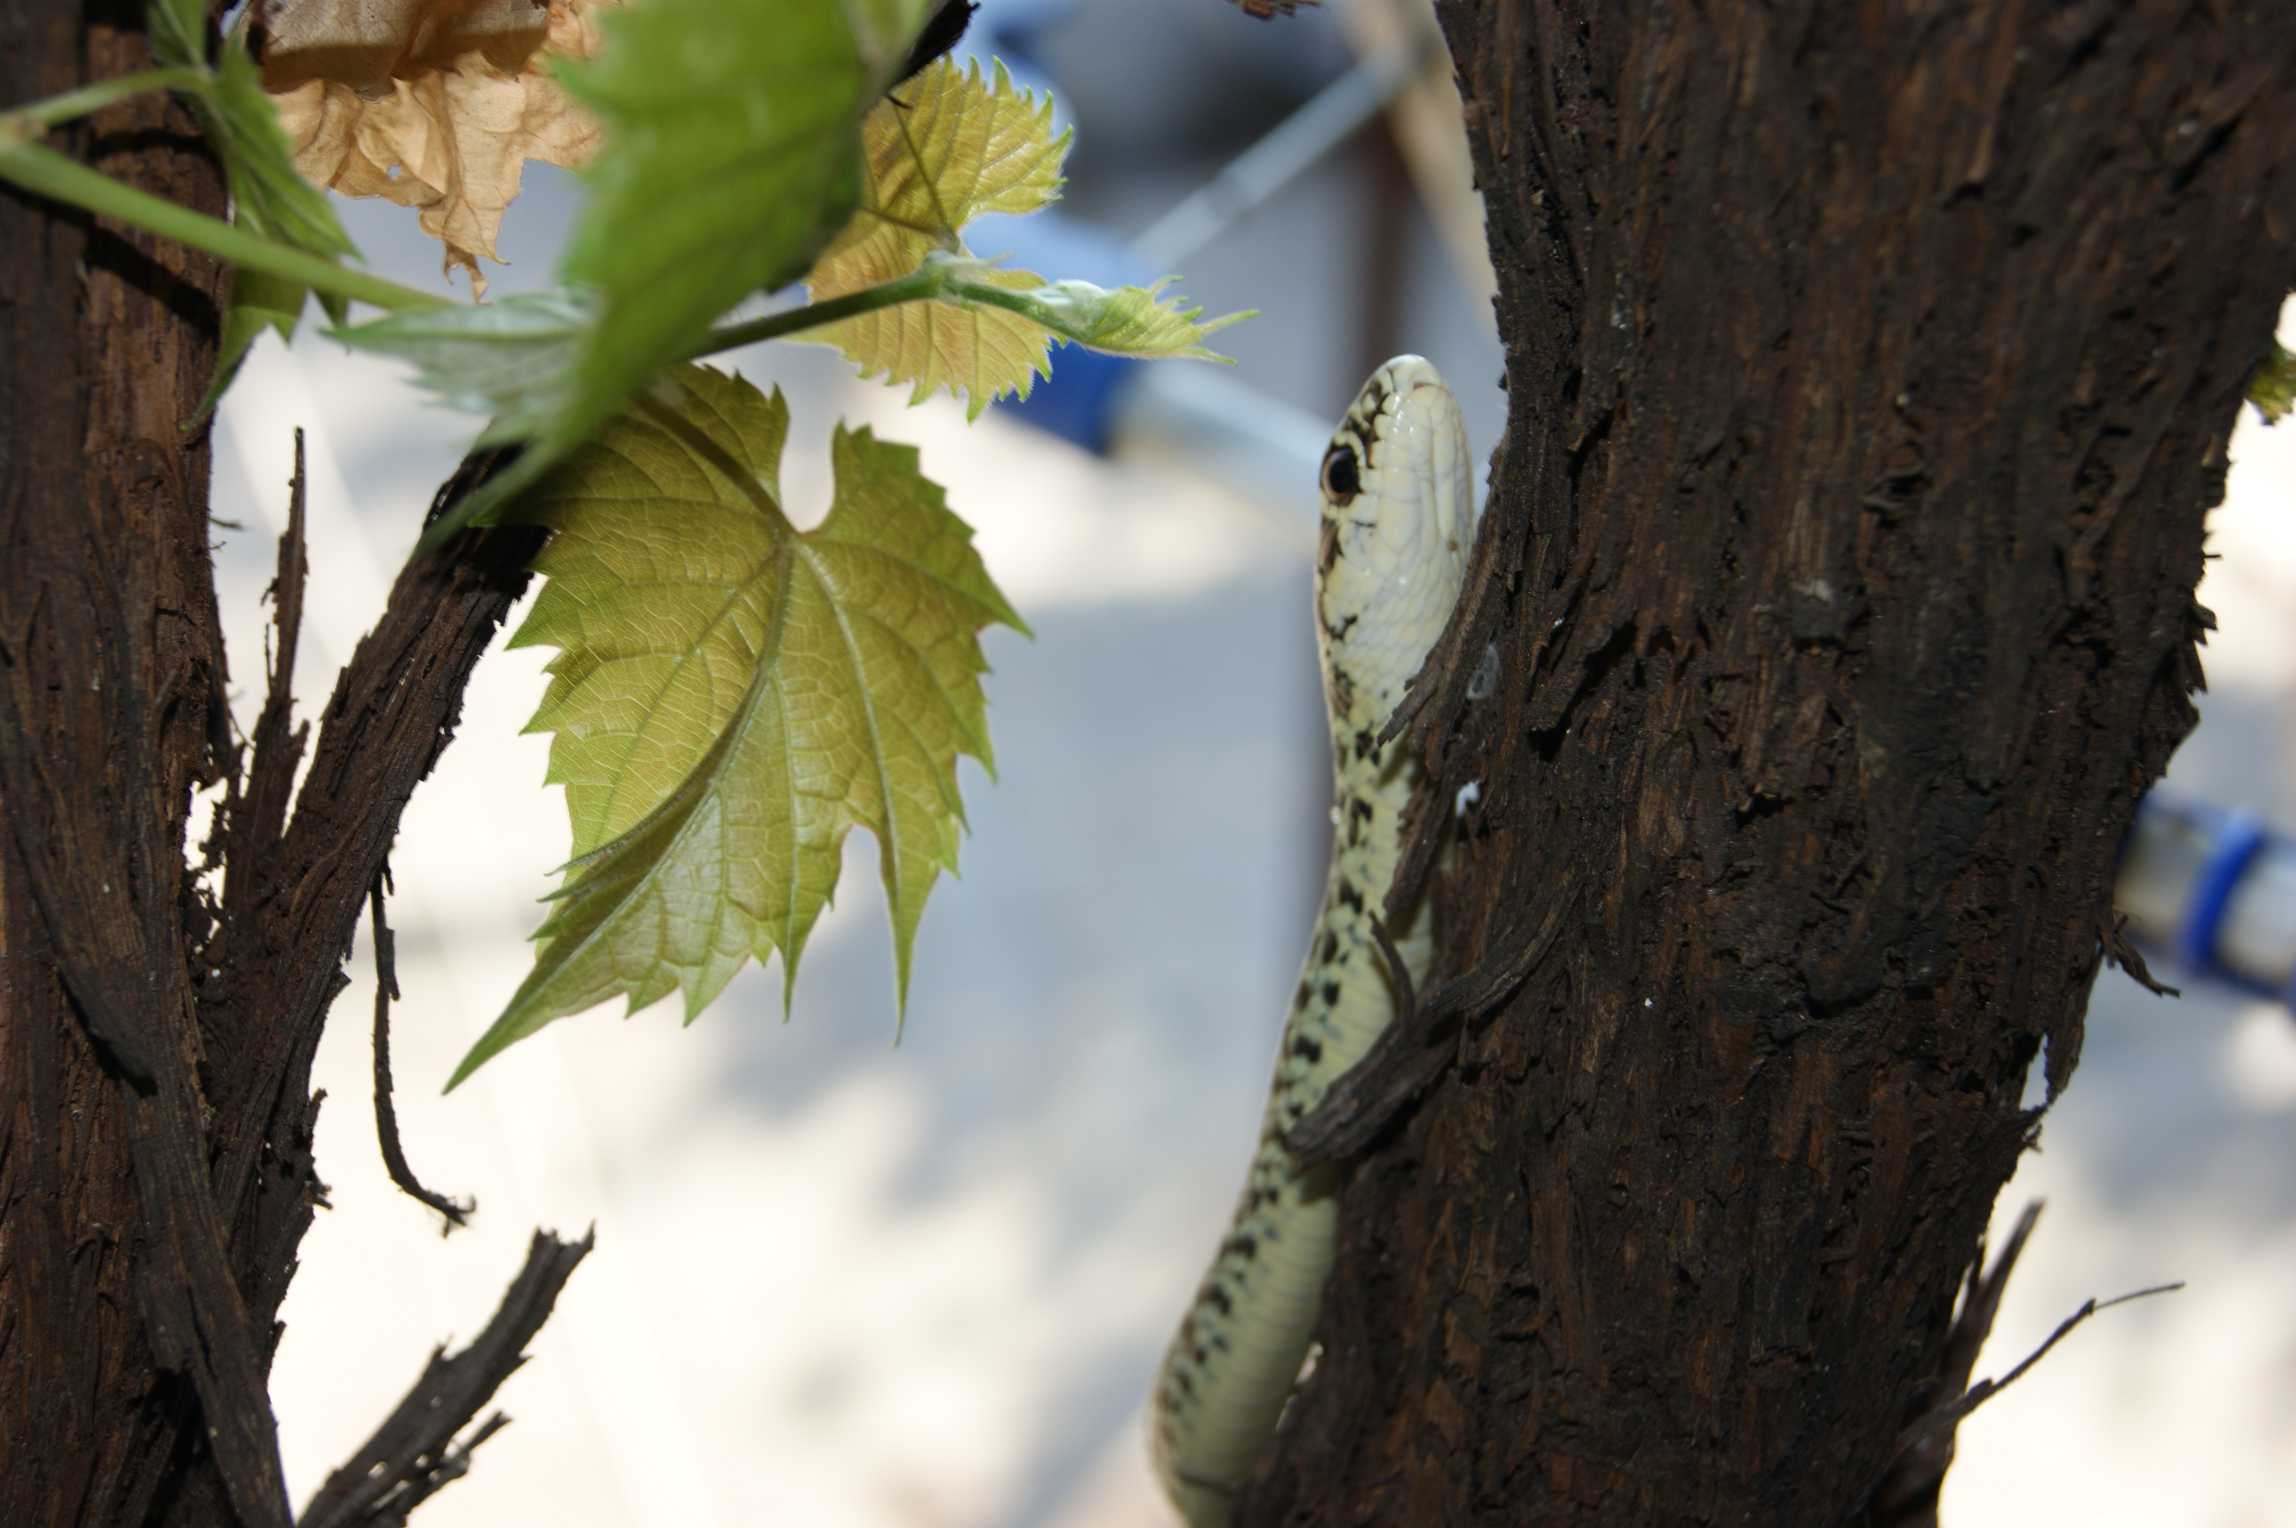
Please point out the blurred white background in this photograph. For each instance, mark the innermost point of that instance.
(840, 1282)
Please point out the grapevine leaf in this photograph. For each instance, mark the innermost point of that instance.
(981, 352)
(731, 697)
(733, 154)
(267, 194)
(950, 148)
(1131, 320)
(511, 359)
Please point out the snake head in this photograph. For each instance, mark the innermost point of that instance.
(1398, 518)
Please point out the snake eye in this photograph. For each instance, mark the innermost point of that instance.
(1342, 480)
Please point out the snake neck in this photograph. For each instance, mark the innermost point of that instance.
(1233, 1361)
(1397, 509)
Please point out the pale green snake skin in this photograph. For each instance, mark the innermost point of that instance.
(1398, 519)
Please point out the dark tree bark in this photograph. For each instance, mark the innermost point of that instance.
(112, 663)
(155, 1046)
(1870, 370)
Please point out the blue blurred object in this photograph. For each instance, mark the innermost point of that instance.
(1084, 401)
(2213, 891)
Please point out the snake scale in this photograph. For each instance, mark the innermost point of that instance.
(1398, 519)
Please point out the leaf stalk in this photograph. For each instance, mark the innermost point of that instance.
(920, 285)
(42, 170)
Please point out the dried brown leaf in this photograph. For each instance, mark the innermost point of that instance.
(433, 104)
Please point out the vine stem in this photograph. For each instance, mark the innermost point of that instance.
(919, 285)
(42, 170)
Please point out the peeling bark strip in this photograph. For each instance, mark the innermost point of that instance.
(414, 1452)
(453, 1214)
(1871, 369)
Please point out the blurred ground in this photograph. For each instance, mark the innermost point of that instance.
(843, 1282)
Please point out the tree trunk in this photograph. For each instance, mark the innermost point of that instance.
(156, 1038)
(113, 664)
(1870, 372)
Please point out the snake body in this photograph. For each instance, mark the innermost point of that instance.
(1398, 518)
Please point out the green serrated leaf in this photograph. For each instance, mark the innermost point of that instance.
(258, 301)
(268, 195)
(511, 359)
(514, 360)
(730, 698)
(732, 158)
(2273, 388)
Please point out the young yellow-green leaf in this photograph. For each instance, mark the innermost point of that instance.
(969, 349)
(1132, 321)
(943, 149)
(730, 698)
(733, 151)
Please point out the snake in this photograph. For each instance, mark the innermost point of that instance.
(1398, 518)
